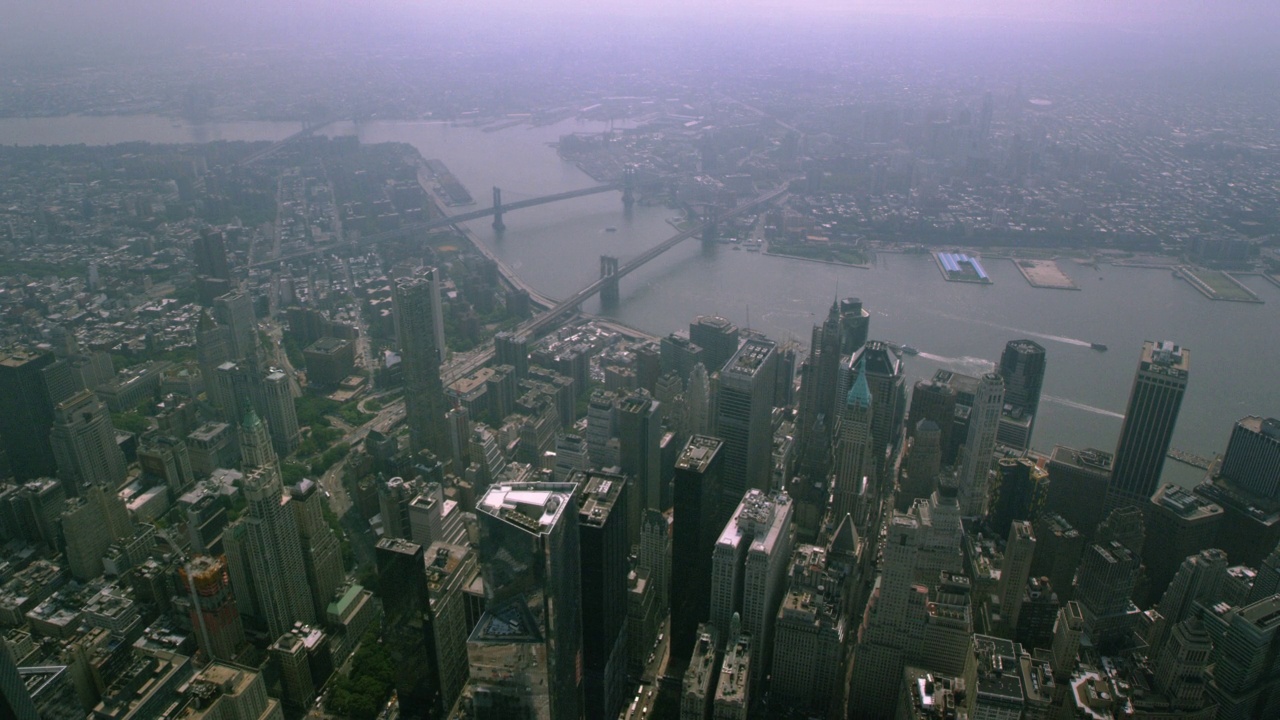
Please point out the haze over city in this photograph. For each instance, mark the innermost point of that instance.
(567, 360)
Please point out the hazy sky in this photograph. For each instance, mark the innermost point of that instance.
(47, 24)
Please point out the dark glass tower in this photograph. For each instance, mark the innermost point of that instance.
(694, 533)
(602, 530)
(407, 629)
(1022, 366)
(526, 653)
(1149, 420)
(26, 414)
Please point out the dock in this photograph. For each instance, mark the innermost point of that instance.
(1044, 274)
(959, 267)
(1218, 285)
(1192, 459)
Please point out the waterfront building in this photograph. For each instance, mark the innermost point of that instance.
(1022, 365)
(855, 324)
(1150, 416)
(1252, 460)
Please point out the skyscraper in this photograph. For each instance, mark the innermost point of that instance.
(526, 653)
(449, 569)
(1246, 674)
(604, 546)
(694, 532)
(980, 444)
(853, 451)
(1018, 555)
(1022, 366)
(321, 553)
(1252, 460)
(272, 543)
(717, 337)
(218, 629)
(855, 323)
(936, 402)
(1104, 586)
(1149, 420)
(1178, 524)
(416, 301)
(408, 630)
(1020, 493)
(84, 444)
(234, 311)
(26, 414)
(808, 649)
(886, 379)
(743, 421)
(749, 568)
(210, 255)
(639, 439)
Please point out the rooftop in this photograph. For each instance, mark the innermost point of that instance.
(534, 507)
(698, 453)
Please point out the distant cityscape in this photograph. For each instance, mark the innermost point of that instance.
(280, 437)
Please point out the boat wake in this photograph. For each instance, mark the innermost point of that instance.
(1081, 406)
(968, 362)
(1029, 333)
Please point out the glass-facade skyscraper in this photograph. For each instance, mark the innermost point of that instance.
(1149, 420)
(526, 653)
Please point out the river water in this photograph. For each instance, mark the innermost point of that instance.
(556, 249)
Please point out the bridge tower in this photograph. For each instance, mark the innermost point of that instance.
(497, 210)
(609, 273)
(628, 186)
(711, 232)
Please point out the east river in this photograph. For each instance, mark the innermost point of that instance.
(556, 248)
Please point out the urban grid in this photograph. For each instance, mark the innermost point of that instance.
(286, 433)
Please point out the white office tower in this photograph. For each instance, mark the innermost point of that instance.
(984, 421)
(749, 567)
(921, 546)
(271, 542)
